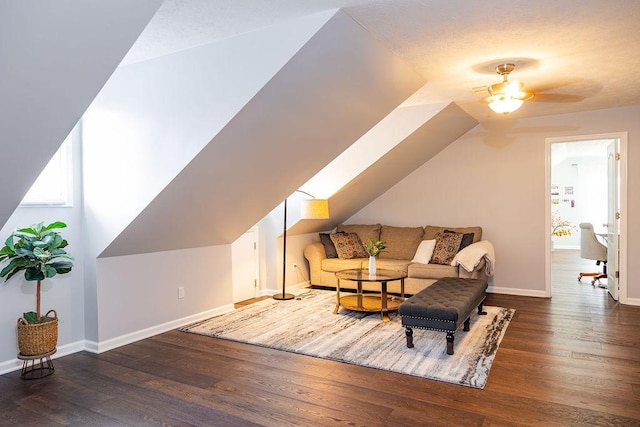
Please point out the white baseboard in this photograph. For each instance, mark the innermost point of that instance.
(295, 288)
(102, 346)
(63, 350)
(631, 301)
(515, 291)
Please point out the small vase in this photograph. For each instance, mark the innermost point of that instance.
(372, 265)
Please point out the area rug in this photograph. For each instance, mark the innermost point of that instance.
(307, 325)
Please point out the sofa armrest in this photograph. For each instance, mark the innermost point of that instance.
(315, 254)
(478, 272)
(475, 256)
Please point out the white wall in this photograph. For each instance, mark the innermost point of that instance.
(496, 179)
(63, 293)
(153, 117)
(56, 56)
(138, 294)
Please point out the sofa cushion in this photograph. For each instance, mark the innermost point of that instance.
(335, 264)
(348, 245)
(430, 231)
(424, 251)
(392, 264)
(401, 242)
(329, 247)
(364, 231)
(447, 245)
(431, 271)
(467, 239)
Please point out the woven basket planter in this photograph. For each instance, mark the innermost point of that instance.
(38, 338)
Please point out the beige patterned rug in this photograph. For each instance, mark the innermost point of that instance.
(308, 326)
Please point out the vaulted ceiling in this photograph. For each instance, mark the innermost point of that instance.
(578, 55)
(375, 55)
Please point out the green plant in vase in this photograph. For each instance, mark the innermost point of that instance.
(373, 248)
(38, 251)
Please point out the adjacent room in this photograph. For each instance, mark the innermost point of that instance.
(359, 212)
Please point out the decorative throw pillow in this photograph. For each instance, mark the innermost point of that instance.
(329, 247)
(348, 245)
(447, 245)
(424, 252)
(467, 239)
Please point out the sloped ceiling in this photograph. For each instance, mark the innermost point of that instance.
(340, 84)
(438, 132)
(580, 55)
(56, 56)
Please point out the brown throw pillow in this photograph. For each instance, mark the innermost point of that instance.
(348, 245)
(329, 247)
(447, 245)
(467, 239)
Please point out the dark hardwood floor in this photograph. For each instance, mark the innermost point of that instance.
(570, 360)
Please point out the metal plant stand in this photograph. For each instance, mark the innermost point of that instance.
(37, 366)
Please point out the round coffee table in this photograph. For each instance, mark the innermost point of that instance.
(370, 302)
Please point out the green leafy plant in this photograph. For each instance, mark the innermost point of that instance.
(38, 250)
(374, 247)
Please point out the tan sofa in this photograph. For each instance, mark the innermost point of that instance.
(402, 243)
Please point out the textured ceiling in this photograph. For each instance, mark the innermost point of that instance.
(577, 55)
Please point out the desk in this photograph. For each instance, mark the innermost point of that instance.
(370, 302)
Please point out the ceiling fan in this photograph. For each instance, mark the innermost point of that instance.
(507, 96)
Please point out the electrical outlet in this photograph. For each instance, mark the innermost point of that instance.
(180, 292)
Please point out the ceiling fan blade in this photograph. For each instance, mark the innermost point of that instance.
(556, 84)
(478, 89)
(556, 97)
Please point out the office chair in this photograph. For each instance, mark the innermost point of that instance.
(592, 248)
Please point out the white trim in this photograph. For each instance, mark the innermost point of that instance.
(622, 189)
(516, 291)
(633, 301)
(110, 344)
(64, 350)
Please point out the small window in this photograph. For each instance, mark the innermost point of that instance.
(53, 186)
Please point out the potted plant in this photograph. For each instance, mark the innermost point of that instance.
(373, 248)
(38, 250)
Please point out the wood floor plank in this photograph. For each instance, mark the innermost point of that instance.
(569, 360)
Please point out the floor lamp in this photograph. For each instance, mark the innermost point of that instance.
(310, 209)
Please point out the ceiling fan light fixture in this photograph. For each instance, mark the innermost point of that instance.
(504, 103)
(507, 96)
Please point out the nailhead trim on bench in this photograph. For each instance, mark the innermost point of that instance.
(467, 294)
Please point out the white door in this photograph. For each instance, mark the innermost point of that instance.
(612, 221)
(244, 259)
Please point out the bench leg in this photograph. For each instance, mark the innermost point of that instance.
(466, 324)
(450, 339)
(480, 312)
(409, 333)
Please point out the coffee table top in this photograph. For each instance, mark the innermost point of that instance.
(362, 275)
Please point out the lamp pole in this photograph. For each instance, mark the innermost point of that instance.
(283, 295)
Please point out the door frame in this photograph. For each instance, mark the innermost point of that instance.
(256, 264)
(621, 186)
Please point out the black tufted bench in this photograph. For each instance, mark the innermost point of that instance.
(443, 306)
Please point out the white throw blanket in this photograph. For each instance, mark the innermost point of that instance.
(470, 257)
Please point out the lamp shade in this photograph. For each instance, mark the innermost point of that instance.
(315, 209)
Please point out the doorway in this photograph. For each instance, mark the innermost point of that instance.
(586, 178)
(245, 266)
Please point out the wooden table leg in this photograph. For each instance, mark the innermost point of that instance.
(384, 311)
(335, 311)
